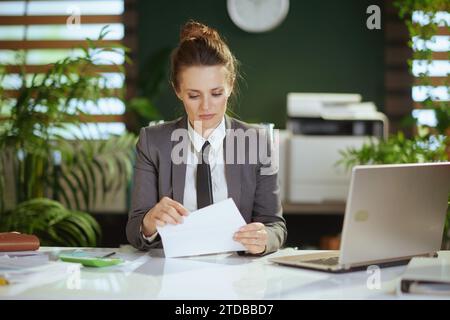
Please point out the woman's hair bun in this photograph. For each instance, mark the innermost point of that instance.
(195, 30)
(201, 45)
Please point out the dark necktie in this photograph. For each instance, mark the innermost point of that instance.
(204, 183)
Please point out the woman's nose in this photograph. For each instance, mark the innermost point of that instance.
(205, 104)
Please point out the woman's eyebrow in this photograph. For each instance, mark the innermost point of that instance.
(195, 90)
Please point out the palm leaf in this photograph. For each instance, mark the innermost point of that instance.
(52, 223)
(72, 188)
(82, 186)
(103, 176)
(69, 234)
(86, 229)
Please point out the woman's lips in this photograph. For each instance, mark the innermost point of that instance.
(206, 116)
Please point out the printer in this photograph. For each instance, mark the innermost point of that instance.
(319, 126)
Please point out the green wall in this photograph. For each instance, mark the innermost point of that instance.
(322, 46)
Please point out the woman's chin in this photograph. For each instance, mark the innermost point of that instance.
(209, 123)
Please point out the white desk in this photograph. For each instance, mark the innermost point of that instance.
(224, 276)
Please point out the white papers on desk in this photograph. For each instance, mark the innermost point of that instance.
(205, 231)
(22, 254)
(23, 273)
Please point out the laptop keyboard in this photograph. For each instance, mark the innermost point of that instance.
(325, 261)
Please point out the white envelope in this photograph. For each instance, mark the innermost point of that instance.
(205, 231)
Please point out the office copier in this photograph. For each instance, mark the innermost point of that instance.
(320, 125)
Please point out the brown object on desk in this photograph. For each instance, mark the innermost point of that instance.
(330, 242)
(14, 241)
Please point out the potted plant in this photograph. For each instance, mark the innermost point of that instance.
(47, 167)
(424, 33)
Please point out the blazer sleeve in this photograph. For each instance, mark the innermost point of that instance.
(267, 203)
(144, 194)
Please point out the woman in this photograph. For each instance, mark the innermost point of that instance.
(203, 77)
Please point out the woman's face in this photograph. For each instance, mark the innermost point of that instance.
(204, 91)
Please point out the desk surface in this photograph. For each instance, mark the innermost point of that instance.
(223, 276)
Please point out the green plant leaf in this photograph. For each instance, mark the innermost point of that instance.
(52, 223)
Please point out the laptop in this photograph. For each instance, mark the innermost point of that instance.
(393, 213)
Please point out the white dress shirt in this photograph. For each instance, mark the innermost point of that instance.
(216, 163)
(217, 167)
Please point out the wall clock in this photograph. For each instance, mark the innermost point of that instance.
(257, 15)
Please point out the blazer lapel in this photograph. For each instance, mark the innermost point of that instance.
(179, 170)
(232, 170)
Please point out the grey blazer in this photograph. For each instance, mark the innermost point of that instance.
(156, 176)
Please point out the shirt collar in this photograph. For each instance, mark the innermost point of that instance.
(215, 138)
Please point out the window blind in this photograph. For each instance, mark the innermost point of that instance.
(50, 30)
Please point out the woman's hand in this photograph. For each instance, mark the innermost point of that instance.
(253, 236)
(165, 211)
